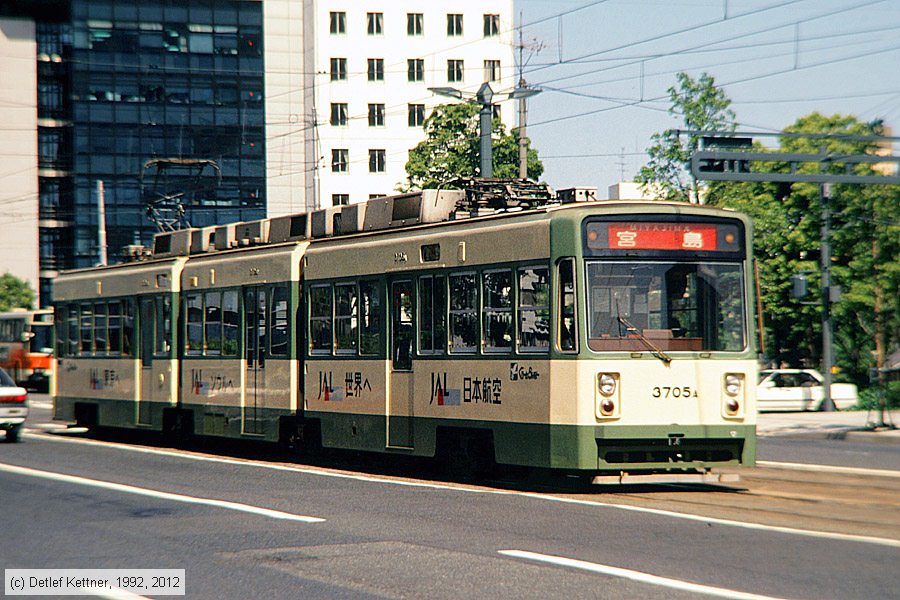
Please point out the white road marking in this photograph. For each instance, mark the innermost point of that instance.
(42, 404)
(436, 486)
(130, 489)
(638, 576)
(827, 469)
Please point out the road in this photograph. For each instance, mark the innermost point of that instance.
(780, 533)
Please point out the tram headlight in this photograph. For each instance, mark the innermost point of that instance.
(606, 384)
(733, 384)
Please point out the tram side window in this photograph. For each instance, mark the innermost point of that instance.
(213, 323)
(72, 338)
(567, 326)
(498, 309)
(127, 327)
(432, 315)
(534, 309)
(464, 335)
(280, 326)
(163, 326)
(115, 327)
(320, 319)
(345, 319)
(194, 338)
(370, 318)
(100, 328)
(62, 343)
(231, 323)
(87, 330)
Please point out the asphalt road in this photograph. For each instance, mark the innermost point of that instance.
(391, 537)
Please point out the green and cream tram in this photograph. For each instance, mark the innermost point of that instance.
(606, 338)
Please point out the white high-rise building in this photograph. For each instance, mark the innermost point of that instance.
(373, 65)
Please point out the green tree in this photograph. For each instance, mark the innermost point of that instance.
(451, 145)
(701, 106)
(15, 293)
(865, 242)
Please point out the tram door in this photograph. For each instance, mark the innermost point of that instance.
(147, 315)
(255, 347)
(400, 401)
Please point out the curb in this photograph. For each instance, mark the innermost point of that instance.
(849, 434)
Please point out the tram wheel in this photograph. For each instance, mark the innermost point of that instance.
(13, 434)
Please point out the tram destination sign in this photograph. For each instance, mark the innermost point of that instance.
(662, 236)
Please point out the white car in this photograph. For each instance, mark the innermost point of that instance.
(799, 389)
(13, 407)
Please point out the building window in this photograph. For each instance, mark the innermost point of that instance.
(339, 114)
(454, 70)
(340, 160)
(375, 23)
(376, 115)
(374, 196)
(492, 70)
(376, 69)
(415, 69)
(376, 161)
(415, 23)
(495, 111)
(454, 25)
(416, 114)
(491, 25)
(338, 69)
(340, 199)
(338, 23)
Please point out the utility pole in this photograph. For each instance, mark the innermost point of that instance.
(827, 341)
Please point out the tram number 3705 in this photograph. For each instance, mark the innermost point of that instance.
(674, 392)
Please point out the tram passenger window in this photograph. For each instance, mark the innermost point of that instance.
(127, 327)
(432, 315)
(345, 319)
(115, 328)
(213, 323)
(320, 319)
(163, 326)
(370, 318)
(534, 309)
(567, 337)
(100, 328)
(280, 331)
(60, 313)
(231, 323)
(87, 329)
(194, 338)
(463, 314)
(72, 326)
(498, 311)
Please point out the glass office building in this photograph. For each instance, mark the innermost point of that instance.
(152, 101)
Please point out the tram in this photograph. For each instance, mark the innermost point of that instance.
(612, 339)
(26, 347)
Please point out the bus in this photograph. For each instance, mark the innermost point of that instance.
(610, 339)
(26, 347)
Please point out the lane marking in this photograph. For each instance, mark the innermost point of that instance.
(638, 576)
(130, 489)
(42, 404)
(827, 469)
(443, 487)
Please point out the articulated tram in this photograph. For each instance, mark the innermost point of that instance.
(613, 339)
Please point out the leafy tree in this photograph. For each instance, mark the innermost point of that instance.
(451, 146)
(702, 106)
(15, 293)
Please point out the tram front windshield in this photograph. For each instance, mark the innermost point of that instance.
(689, 306)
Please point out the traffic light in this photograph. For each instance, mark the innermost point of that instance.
(799, 286)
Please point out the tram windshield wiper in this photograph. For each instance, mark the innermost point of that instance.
(630, 328)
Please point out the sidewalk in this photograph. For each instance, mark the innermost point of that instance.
(849, 425)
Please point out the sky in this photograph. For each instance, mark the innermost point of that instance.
(604, 68)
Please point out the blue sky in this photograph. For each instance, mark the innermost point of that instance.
(604, 67)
